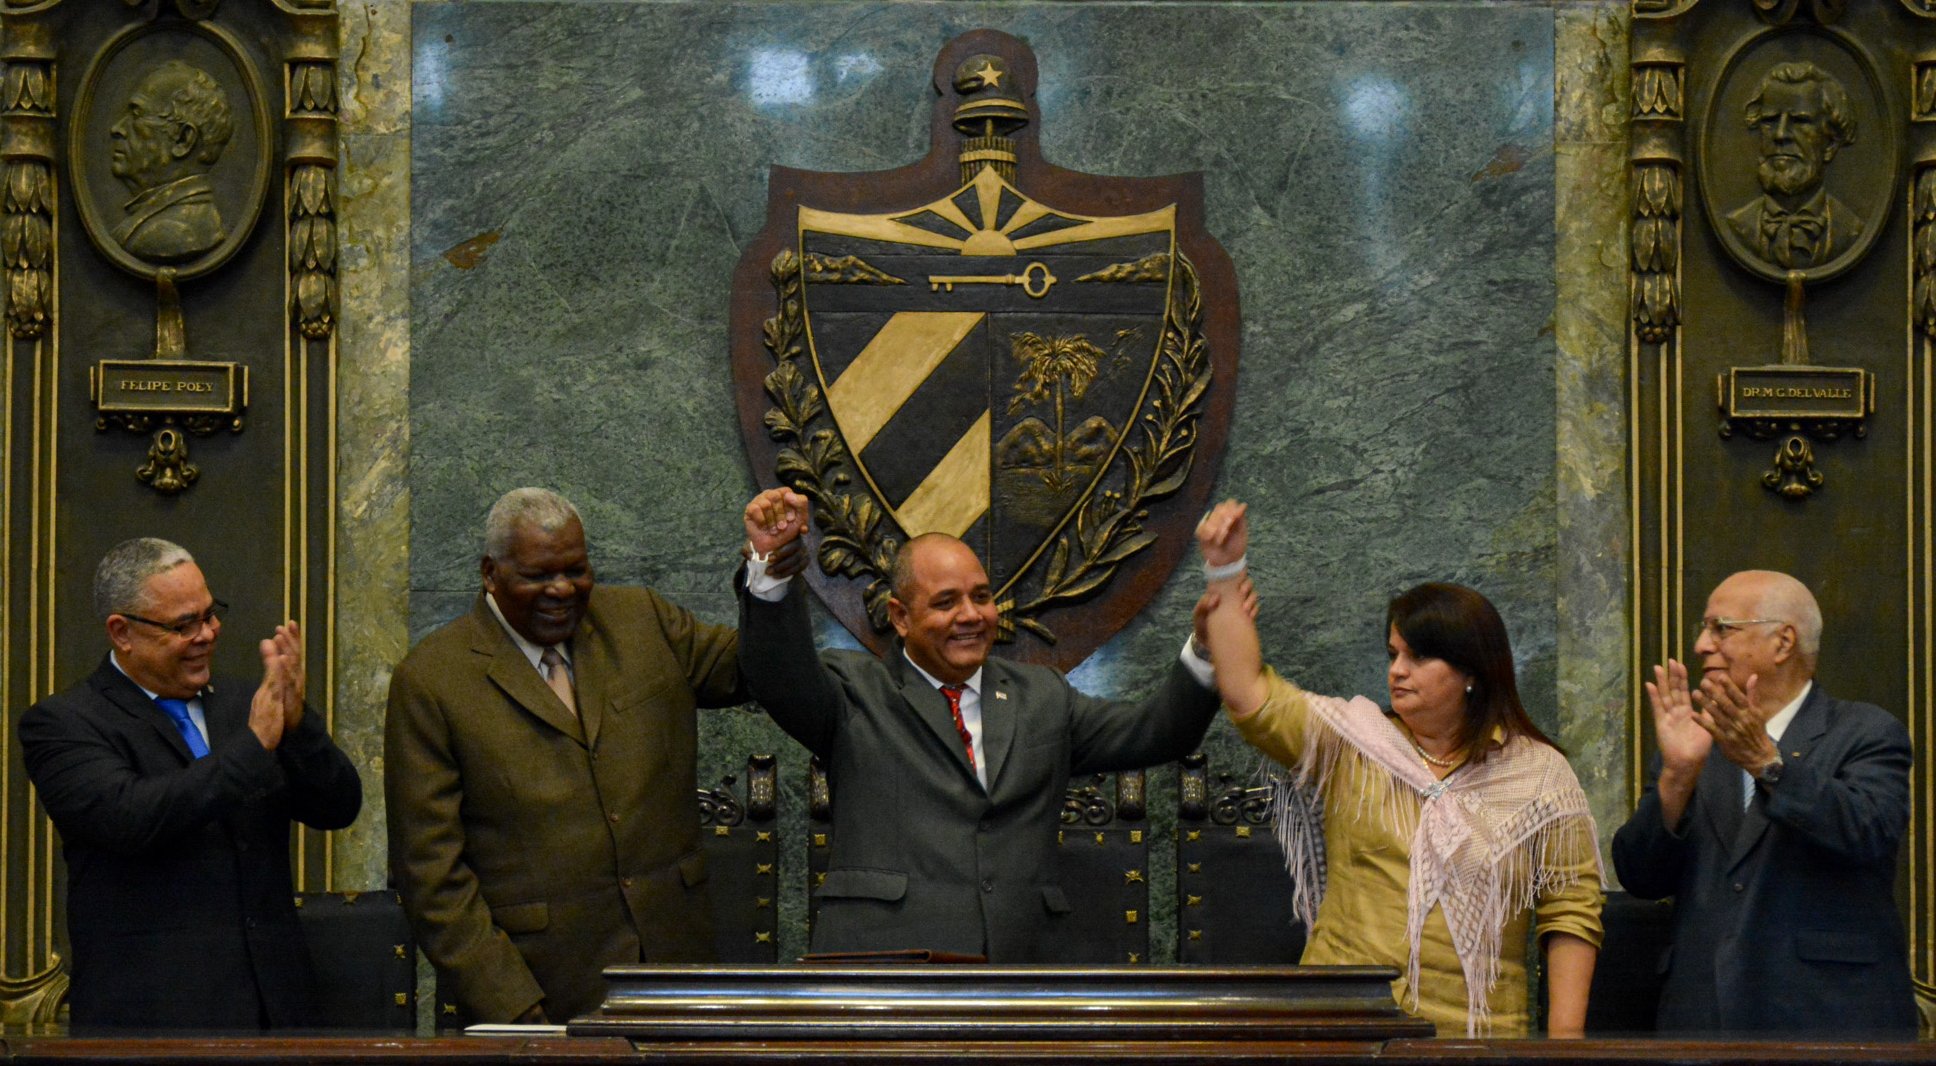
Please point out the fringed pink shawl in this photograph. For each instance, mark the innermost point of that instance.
(1490, 842)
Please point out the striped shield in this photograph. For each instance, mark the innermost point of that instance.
(1036, 360)
(984, 357)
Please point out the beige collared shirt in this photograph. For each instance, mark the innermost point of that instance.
(534, 653)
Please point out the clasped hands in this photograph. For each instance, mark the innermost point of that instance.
(1224, 533)
(1718, 713)
(1224, 536)
(776, 521)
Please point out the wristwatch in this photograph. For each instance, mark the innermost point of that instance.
(1770, 773)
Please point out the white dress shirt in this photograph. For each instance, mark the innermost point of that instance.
(970, 713)
(194, 704)
(1776, 727)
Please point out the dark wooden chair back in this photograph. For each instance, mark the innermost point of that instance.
(364, 958)
(1233, 896)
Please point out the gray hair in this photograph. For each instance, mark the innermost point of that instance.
(121, 581)
(537, 507)
(1790, 601)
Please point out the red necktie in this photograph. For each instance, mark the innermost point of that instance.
(953, 692)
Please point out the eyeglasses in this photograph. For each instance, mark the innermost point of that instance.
(1721, 628)
(188, 628)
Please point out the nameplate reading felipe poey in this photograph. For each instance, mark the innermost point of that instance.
(172, 398)
(1038, 361)
(156, 386)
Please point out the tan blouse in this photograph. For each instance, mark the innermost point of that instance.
(1361, 920)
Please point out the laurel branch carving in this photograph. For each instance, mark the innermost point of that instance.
(312, 211)
(854, 542)
(28, 242)
(1656, 251)
(1924, 236)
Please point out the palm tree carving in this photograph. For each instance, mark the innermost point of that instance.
(1058, 367)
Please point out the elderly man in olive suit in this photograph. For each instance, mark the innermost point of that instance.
(540, 775)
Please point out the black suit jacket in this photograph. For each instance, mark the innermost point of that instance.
(923, 857)
(180, 909)
(1785, 915)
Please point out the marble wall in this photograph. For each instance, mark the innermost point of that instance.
(1424, 202)
(373, 420)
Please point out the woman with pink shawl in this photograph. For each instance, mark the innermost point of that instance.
(1430, 836)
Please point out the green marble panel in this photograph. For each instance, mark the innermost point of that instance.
(373, 413)
(584, 176)
(1590, 144)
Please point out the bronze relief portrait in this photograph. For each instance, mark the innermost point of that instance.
(1798, 162)
(170, 149)
(172, 132)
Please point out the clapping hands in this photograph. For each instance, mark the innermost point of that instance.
(1691, 723)
(277, 708)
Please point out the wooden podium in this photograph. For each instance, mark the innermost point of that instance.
(928, 1003)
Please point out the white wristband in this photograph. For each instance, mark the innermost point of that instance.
(1227, 570)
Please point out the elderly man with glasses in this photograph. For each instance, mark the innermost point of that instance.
(173, 795)
(1773, 818)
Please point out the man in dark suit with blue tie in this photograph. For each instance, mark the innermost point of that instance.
(947, 766)
(173, 796)
(1774, 821)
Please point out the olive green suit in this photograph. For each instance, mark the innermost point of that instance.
(533, 848)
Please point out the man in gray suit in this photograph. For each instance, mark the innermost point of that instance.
(1774, 820)
(947, 767)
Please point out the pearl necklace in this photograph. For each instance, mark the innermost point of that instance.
(1430, 759)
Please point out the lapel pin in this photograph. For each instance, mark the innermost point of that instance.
(1000, 695)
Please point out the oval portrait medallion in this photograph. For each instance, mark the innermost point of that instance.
(170, 148)
(1798, 160)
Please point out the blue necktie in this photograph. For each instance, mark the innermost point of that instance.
(177, 711)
